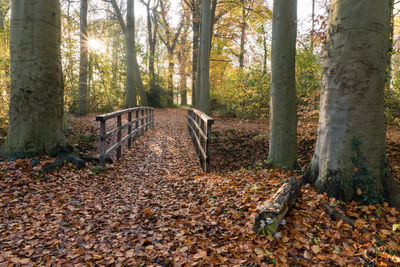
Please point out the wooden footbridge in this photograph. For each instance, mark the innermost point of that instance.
(129, 124)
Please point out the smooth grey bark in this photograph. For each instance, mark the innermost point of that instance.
(131, 78)
(283, 117)
(205, 39)
(36, 103)
(83, 63)
(352, 100)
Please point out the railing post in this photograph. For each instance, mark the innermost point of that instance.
(137, 124)
(119, 124)
(102, 142)
(129, 129)
(142, 120)
(208, 145)
(147, 119)
(152, 118)
(203, 143)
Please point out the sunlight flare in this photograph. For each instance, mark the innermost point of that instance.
(96, 45)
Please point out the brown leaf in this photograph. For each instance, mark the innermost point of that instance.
(359, 223)
(316, 249)
(201, 254)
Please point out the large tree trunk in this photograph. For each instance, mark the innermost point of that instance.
(205, 103)
(350, 155)
(283, 129)
(36, 104)
(83, 64)
(131, 75)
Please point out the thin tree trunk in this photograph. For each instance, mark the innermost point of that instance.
(283, 125)
(195, 52)
(312, 26)
(205, 103)
(83, 65)
(265, 51)
(242, 36)
(171, 66)
(36, 104)
(350, 156)
(131, 76)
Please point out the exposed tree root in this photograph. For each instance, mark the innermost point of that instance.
(334, 215)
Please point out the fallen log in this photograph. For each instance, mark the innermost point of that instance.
(274, 210)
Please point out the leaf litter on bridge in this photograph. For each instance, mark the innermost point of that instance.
(156, 207)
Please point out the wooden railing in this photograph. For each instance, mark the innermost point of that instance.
(143, 121)
(199, 126)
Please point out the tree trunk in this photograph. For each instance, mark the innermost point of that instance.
(205, 103)
(283, 129)
(242, 36)
(142, 90)
(83, 63)
(36, 104)
(131, 75)
(350, 156)
(265, 51)
(312, 26)
(171, 66)
(195, 52)
(183, 81)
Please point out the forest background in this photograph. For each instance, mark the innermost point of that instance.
(239, 62)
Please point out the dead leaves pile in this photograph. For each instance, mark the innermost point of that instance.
(156, 208)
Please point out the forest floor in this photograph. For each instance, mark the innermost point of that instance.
(155, 207)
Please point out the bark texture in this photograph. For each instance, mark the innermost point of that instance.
(205, 39)
(275, 209)
(131, 65)
(351, 108)
(283, 129)
(36, 104)
(195, 51)
(84, 60)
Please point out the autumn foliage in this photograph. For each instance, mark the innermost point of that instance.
(156, 207)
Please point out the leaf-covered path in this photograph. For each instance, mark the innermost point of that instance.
(156, 207)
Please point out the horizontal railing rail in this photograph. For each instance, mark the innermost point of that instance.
(143, 121)
(199, 127)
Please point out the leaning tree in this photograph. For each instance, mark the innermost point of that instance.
(350, 154)
(36, 103)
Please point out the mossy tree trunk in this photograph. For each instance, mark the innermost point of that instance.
(36, 103)
(350, 157)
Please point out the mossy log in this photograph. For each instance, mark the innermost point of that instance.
(275, 209)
